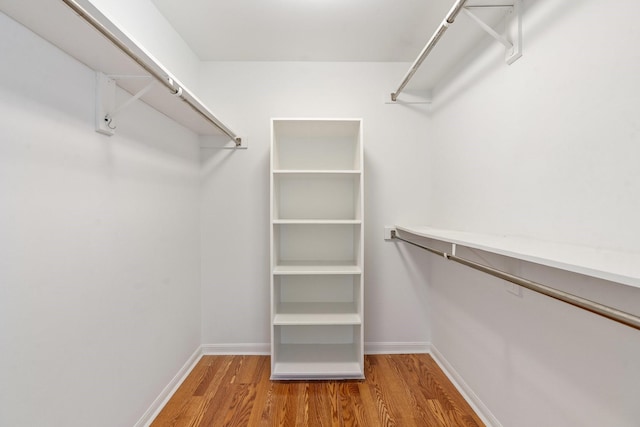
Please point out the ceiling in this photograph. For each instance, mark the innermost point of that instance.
(305, 30)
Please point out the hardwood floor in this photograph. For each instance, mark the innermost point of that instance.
(399, 390)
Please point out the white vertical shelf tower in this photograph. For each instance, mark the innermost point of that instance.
(316, 249)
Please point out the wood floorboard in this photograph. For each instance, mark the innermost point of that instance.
(415, 384)
(399, 390)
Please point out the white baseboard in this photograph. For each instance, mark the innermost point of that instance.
(474, 401)
(369, 348)
(169, 390)
(240, 349)
(396, 347)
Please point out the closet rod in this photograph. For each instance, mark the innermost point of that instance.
(585, 304)
(451, 16)
(159, 75)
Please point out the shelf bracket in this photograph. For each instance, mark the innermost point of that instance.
(211, 142)
(513, 49)
(106, 109)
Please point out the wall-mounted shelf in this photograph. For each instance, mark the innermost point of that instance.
(66, 24)
(614, 266)
(500, 20)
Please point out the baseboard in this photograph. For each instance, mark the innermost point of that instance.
(169, 390)
(396, 347)
(369, 348)
(474, 401)
(240, 349)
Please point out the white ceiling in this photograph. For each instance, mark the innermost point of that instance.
(305, 30)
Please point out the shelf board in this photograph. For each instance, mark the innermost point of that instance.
(316, 267)
(332, 313)
(316, 361)
(60, 25)
(317, 221)
(316, 172)
(614, 266)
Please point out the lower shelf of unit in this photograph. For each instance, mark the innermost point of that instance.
(317, 361)
(317, 267)
(332, 313)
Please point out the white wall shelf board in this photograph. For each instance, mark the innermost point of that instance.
(60, 25)
(619, 267)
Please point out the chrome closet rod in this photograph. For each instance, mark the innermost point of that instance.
(167, 81)
(451, 16)
(585, 304)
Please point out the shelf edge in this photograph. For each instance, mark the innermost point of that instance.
(483, 242)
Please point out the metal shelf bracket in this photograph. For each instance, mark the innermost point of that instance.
(106, 108)
(513, 47)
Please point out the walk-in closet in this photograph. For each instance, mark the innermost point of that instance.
(319, 212)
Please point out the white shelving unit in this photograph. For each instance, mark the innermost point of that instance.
(615, 266)
(316, 249)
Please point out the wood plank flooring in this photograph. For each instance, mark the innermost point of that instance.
(399, 390)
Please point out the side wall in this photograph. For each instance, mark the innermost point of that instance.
(547, 147)
(235, 204)
(99, 246)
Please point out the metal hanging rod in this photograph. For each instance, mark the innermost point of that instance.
(585, 304)
(513, 48)
(448, 20)
(159, 75)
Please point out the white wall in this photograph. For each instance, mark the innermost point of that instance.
(549, 148)
(235, 203)
(99, 246)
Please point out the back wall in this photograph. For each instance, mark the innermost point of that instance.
(235, 193)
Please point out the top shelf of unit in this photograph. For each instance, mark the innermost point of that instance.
(615, 266)
(316, 145)
(63, 27)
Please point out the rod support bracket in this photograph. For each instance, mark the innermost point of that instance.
(218, 142)
(512, 37)
(106, 108)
